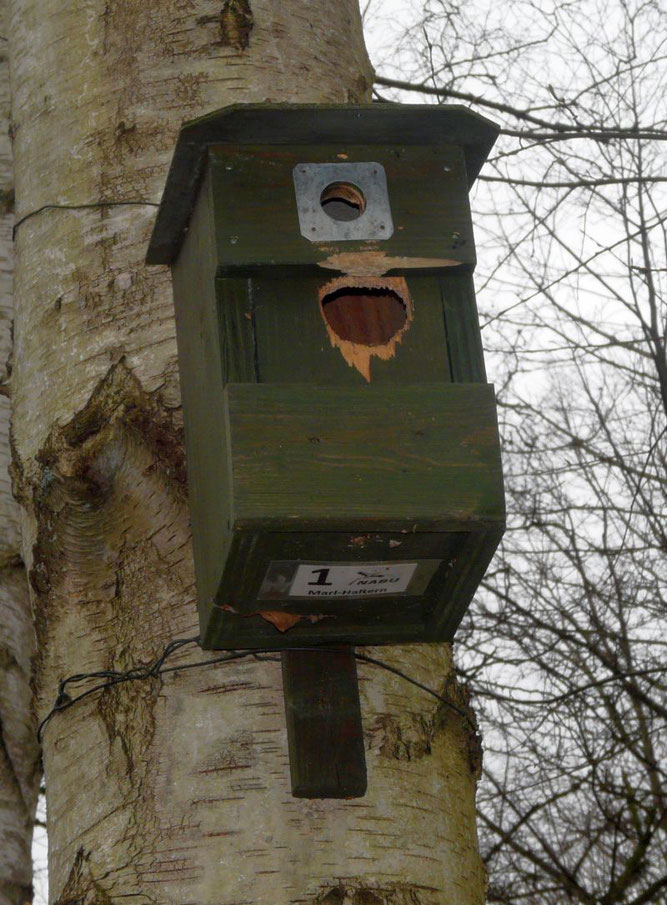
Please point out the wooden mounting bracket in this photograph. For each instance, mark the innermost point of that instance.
(326, 744)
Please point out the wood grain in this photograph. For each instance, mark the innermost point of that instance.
(253, 186)
(324, 731)
(420, 456)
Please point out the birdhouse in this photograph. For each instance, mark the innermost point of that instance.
(344, 469)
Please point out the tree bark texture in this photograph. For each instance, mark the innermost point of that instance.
(177, 790)
(19, 751)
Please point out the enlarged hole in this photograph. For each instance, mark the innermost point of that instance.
(343, 201)
(369, 316)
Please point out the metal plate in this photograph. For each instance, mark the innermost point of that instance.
(310, 180)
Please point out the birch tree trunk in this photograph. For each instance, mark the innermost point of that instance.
(178, 790)
(19, 751)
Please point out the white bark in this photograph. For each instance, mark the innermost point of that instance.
(19, 752)
(179, 791)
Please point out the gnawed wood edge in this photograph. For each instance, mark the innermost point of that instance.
(377, 263)
(358, 355)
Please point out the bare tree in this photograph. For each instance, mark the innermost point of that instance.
(565, 645)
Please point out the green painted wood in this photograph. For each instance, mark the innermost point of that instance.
(464, 342)
(200, 365)
(255, 633)
(473, 559)
(235, 620)
(299, 458)
(292, 458)
(293, 345)
(377, 124)
(434, 616)
(419, 457)
(254, 186)
(324, 730)
(241, 582)
(235, 305)
(292, 342)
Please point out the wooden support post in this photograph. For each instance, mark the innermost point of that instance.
(326, 745)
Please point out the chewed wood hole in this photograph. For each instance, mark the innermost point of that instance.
(366, 318)
(363, 314)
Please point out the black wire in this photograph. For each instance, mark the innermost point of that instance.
(146, 671)
(364, 658)
(79, 207)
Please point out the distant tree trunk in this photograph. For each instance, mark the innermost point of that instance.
(19, 751)
(178, 790)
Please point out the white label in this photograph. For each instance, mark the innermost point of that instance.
(362, 579)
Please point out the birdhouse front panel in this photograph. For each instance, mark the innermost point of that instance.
(278, 205)
(343, 459)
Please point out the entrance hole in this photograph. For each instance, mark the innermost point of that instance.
(365, 315)
(343, 201)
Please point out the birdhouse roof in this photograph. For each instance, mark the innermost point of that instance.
(295, 124)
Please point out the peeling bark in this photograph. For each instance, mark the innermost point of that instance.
(409, 736)
(236, 21)
(362, 895)
(174, 790)
(114, 476)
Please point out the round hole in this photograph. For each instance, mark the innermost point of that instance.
(365, 315)
(343, 201)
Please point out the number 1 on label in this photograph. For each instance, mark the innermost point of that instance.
(322, 574)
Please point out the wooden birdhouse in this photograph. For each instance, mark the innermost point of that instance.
(343, 460)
